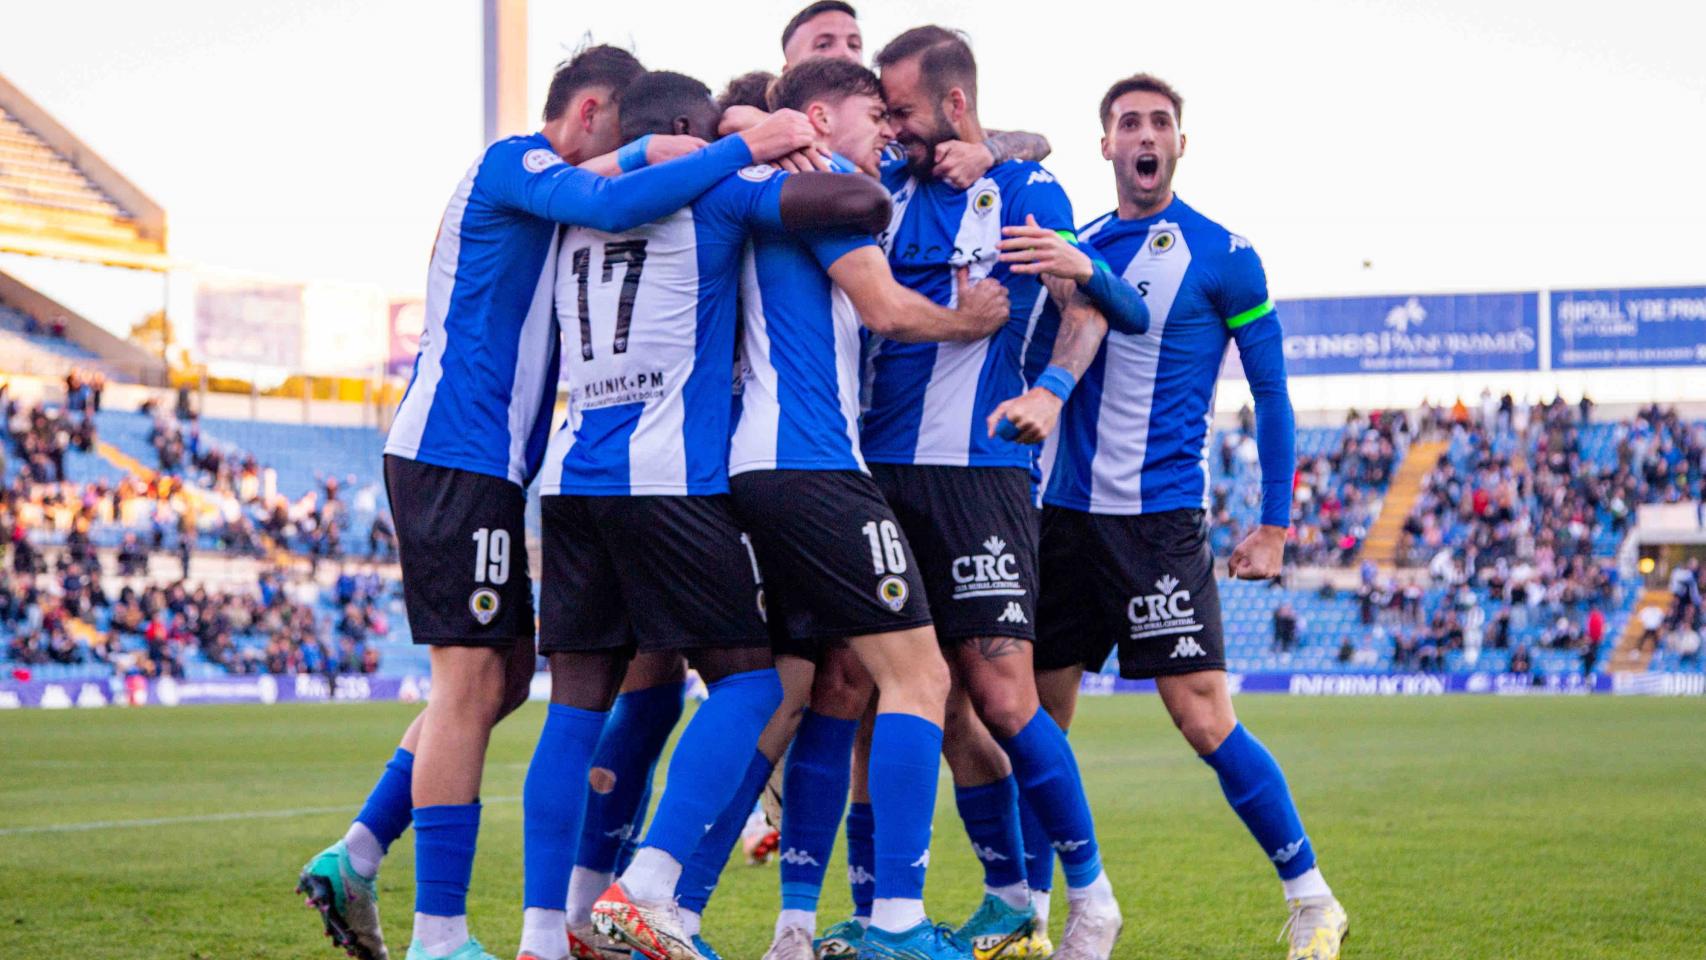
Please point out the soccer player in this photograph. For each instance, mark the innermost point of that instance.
(580, 121)
(468, 436)
(965, 498)
(830, 28)
(1125, 555)
(838, 567)
(641, 549)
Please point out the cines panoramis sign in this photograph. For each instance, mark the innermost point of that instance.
(1411, 333)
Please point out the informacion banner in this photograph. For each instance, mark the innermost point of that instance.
(1412, 333)
(356, 688)
(1650, 327)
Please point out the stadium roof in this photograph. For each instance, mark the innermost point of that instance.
(58, 198)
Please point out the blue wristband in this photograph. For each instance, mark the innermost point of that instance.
(632, 156)
(1058, 381)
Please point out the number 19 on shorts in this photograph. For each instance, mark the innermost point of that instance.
(491, 556)
(888, 554)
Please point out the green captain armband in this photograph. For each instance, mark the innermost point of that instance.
(1251, 315)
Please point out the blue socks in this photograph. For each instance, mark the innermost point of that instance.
(445, 837)
(906, 755)
(699, 874)
(634, 736)
(700, 786)
(552, 802)
(1048, 776)
(388, 809)
(991, 816)
(1039, 855)
(861, 856)
(1255, 787)
(814, 781)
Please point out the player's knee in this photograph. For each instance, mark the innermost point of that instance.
(1005, 708)
(841, 694)
(928, 680)
(1203, 729)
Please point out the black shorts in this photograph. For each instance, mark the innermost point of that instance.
(646, 573)
(462, 542)
(1144, 583)
(975, 532)
(835, 561)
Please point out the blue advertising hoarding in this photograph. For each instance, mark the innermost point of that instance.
(1650, 327)
(1411, 333)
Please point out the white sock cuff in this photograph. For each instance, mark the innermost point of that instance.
(896, 914)
(803, 919)
(1015, 895)
(584, 888)
(1310, 883)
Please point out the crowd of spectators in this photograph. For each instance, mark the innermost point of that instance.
(1516, 487)
(155, 629)
(1336, 494)
(1678, 626)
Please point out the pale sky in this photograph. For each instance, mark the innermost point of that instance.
(1457, 144)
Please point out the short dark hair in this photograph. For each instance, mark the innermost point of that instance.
(599, 66)
(823, 78)
(1146, 82)
(654, 100)
(945, 62)
(812, 10)
(748, 90)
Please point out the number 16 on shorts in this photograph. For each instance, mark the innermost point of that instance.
(888, 561)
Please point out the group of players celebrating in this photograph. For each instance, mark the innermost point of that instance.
(849, 549)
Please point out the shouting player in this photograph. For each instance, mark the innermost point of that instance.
(1125, 554)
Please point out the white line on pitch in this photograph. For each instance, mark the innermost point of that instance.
(200, 818)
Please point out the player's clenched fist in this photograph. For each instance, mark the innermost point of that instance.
(1260, 556)
(778, 135)
(984, 301)
(959, 164)
(1033, 415)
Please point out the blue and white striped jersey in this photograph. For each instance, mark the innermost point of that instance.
(485, 379)
(648, 322)
(1133, 437)
(927, 402)
(800, 344)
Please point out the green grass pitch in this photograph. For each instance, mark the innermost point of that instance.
(1461, 828)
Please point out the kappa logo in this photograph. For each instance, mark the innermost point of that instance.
(1286, 853)
(988, 854)
(991, 574)
(624, 832)
(1408, 314)
(1013, 614)
(799, 858)
(1067, 846)
(1238, 243)
(1187, 647)
(1165, 612)
(1039, 176)
(857, 874)
(923, 860)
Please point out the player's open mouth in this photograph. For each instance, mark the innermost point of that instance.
(1148, 167)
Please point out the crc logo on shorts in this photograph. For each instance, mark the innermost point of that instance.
(994, 573)
(483, 604)
(1159, 614)
(892, 591)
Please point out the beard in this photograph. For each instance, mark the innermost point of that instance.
(921, 151)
